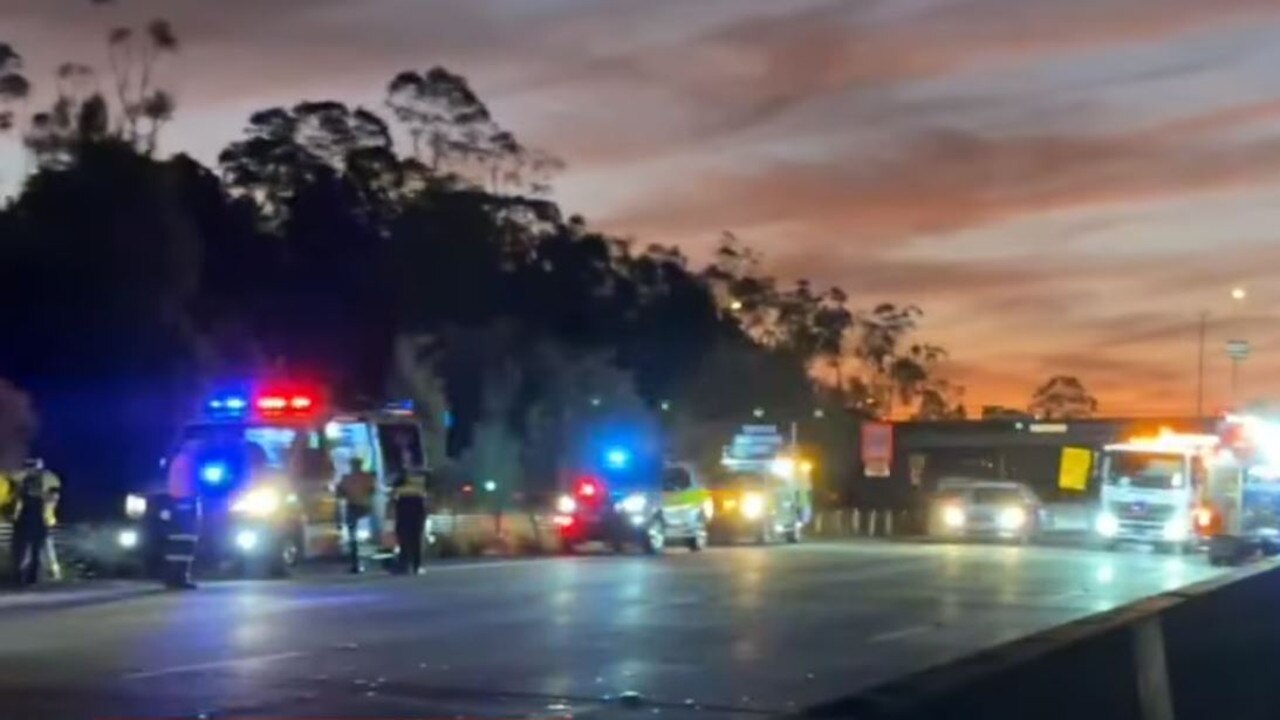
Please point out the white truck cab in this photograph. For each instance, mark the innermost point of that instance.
(1151, 488)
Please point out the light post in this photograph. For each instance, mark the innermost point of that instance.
(1237, 350)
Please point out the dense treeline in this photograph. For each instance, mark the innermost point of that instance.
(407, 251)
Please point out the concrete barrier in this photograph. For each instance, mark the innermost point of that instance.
(1210, 651)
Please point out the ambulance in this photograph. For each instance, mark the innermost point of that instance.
(268, 458)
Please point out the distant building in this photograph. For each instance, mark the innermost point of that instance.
(999, 412)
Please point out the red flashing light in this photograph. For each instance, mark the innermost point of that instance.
(301, 402)
(563, 521)
(588, 487)
(271, 402)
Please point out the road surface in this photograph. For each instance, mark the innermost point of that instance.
(732, 632)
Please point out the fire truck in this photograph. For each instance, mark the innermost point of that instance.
(270, 457)
(1239, 515)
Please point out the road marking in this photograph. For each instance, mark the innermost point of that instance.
(181, 669)
(900, 633)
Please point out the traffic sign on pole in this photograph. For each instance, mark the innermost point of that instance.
(1237, 349)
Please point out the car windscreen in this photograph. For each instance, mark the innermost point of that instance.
(267, 445)
(1145, 470)
(996, 496)
(731, 481)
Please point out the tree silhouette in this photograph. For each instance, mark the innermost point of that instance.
(1062, 397)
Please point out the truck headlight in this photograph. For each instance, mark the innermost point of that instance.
(953, 516)
(1107, 524)
(259, 502)
(247, 540)
(634, 504)
(1012, 518)
(135, 506)
(752, 506)
(1175, 529)
(127, 539)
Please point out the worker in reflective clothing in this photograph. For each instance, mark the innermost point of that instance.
(355, 490)
(37, 489)
(409, 492)
(49, 553)
(180, 518)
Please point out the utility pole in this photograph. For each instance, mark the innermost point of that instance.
(1204, 322)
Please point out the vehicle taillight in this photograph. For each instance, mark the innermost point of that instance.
(1203, 517)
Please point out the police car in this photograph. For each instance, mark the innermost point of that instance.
(633, 501)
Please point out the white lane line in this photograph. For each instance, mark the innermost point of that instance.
(899, 634)
(237, 662)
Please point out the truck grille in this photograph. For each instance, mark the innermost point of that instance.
(1142, 512)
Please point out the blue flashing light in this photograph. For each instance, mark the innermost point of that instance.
(617, 458)
(228, 405)
(214, 473)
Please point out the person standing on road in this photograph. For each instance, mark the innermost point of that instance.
(410, 495)
(49, 553)
(356, 489)
(180, 519)
(37, 488)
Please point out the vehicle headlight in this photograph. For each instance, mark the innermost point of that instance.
(1012, 518)
(1175, 529)
(127, 539)
(247, 540)
(566, 505)
(634, 504)
(953, 516)
(1107, 524)
(135, 506)
(708, 508)
(259, 502)
(752, 506)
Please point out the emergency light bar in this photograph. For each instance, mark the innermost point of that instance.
(271, 401)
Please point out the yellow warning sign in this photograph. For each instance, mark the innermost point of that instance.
(1073, 473)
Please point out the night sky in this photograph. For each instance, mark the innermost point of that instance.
(1062, 185)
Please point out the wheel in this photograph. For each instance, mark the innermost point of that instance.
(286, 557)
(698, 540)
(795, 533)
(655, 537)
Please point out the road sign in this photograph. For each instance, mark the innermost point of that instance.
(1237, 349)
(877, 449)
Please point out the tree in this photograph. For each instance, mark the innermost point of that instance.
(14, 86)
(452, 130)
(133, 56)
(82, 114)
(1062, 397)
(17, 426)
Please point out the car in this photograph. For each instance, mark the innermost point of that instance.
(985, 509)
(621, 509)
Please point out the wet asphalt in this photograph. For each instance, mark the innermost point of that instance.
(730, 632)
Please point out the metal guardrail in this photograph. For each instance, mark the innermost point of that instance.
(1205, 651)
